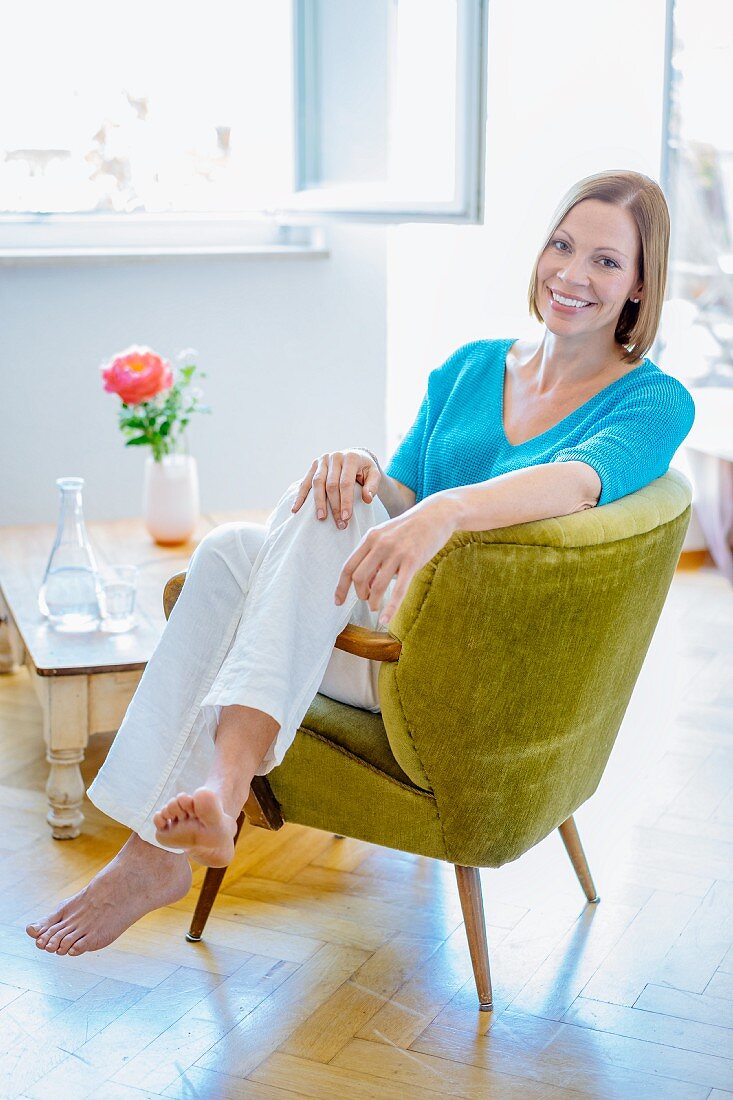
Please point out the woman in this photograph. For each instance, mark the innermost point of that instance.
(508, 432)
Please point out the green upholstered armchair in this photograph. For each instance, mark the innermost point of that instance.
(506, 674)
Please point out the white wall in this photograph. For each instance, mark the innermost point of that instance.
(571, 91)
(294, 350)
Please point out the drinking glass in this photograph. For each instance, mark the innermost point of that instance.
(117, 598)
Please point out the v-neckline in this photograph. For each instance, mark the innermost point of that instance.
(502, 381)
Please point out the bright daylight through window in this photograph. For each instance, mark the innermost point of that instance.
(151, 112)
(698, 317)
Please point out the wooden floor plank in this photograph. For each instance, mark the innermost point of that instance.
(204, 1025)
(641, 949)
(435, 1075)
(274, 1019)
(360, 998)
(104, 1053)
(541, 1051)
(206, 1084)
(711, 1007)
(48, 1046)
(670, 1031)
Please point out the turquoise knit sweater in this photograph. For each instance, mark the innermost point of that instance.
(628, 432)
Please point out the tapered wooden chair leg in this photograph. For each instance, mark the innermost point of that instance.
(472, 904)
(209, 890)
(574, 848)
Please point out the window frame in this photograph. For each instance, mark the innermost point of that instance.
(363, 203)
(296, 227)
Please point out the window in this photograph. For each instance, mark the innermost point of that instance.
(235, 126)
(697, 328)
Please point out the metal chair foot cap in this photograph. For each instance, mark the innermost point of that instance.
(486, 1006)
(595, 900)
(193, 939)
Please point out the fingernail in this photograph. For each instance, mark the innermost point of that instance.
(383, 620)
(341, 525)
(344, 515)
(321, 513)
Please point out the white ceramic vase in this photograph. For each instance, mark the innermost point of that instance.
(171, 508)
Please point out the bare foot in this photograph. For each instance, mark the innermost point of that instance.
(200, 825)
(140, 878)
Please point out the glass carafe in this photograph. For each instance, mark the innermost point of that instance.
(69, 594)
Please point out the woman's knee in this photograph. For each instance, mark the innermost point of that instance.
(228, 541)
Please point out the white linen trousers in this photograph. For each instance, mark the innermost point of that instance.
(254, 624)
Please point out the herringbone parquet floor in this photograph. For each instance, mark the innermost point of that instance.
(336, 969)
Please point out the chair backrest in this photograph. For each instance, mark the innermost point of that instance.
(521, 647)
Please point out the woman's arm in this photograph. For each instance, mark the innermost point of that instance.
(544, 491)
(407, 542)
(395, 496)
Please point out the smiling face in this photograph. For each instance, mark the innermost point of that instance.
(589, 270)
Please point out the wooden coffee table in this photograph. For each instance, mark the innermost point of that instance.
(84, 682)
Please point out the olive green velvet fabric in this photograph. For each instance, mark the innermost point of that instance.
(520, 650)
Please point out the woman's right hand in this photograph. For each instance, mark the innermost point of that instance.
(333, 478)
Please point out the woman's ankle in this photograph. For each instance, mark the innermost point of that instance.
(144, 851)
(232, 797)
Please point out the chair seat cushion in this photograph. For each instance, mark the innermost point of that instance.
(339, 775)
(360, 732)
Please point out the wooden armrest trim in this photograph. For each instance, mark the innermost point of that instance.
(172, 591)
(375, 645)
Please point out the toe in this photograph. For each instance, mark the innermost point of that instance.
(207, 805)
(180, 802)
(39, 927)
(80, 946)
(171, 810)
(55, 939)
(186, 803)
(68, 941)
(46, 935)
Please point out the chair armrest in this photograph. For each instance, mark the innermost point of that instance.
(375, 645)
(172, 591)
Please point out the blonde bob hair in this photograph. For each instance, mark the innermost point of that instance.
(644, 199)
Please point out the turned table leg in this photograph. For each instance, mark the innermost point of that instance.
(65, 727)
(6, 657)
(12, 650)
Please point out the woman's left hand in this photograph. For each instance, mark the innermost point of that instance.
(398, 547)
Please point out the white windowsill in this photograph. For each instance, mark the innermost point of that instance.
(138, 252)
(69, 238)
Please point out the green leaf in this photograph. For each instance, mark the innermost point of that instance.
(137, 441)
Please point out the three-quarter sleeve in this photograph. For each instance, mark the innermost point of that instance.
(635, 442)
(407, 462)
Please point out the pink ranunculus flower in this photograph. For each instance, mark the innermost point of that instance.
(136, 374)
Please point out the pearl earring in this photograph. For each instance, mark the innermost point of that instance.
(635, 301)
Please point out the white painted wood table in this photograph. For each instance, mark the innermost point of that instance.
(84, 682)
